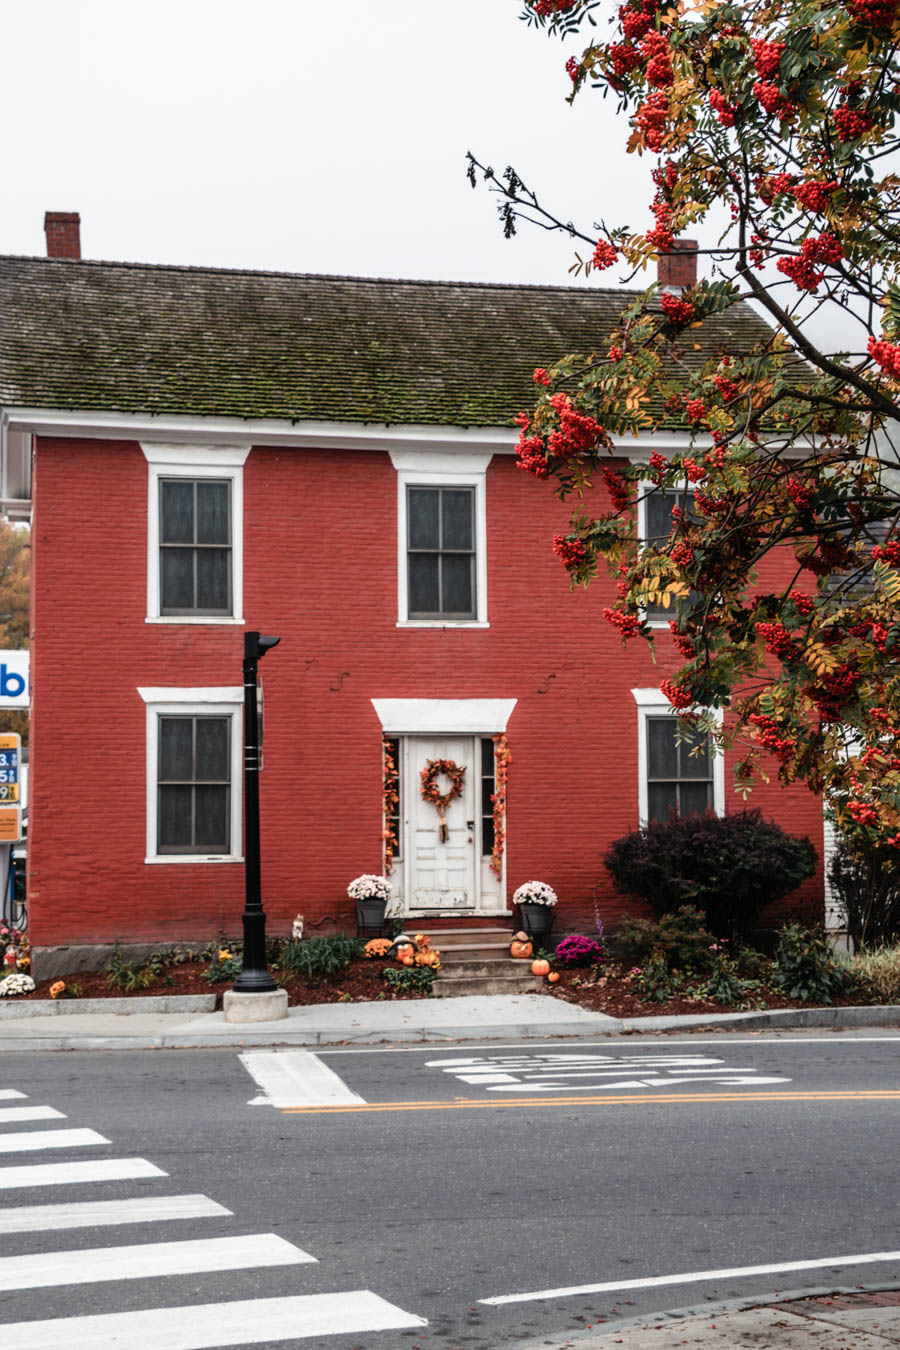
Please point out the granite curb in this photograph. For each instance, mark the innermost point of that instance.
(118, 1007)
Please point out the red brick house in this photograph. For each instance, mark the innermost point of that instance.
(329, 459)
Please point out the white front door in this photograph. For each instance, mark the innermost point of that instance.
(441, 876)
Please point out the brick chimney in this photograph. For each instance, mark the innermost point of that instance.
(678, 269)
(63, 230)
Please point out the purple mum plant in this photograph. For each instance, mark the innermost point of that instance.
(579, 951)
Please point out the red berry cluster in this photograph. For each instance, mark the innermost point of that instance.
(657, 53)
(873, 13)
(768, 733)
(725, 111)
(851, 123)
(774, 185)
(695, 411)
(801, 272)
(544, 8)
(661, 237)
(678, 312)
(651, 118)
(814, 195)
(623, 57)
(619, 488)
(540, 376)
(709, 506)
(683, 643)
(658, 465)
(727, 388)
(573, 69)
(571, 550)
(801, 494)
(803, 603)
(628, 624)
(826, 248)
(604, 255)
(889, 552)
(756, 254)
(833, 691)
(678, 696)
(615, 353)
(532, 456)
(777, 639)
(862, 813)
(766, 57)
(682, 554)
(636, 19)
(695, 472)
(886, 354)
(770, 97)
(576, 432)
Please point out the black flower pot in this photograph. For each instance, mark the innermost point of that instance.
(370, 914)
(537, 920)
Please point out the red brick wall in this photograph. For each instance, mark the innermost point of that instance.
(320, 565)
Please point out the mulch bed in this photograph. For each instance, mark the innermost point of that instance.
(362, 981)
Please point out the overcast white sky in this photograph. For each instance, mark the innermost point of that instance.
(301, 135)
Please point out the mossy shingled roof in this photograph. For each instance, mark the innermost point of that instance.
(156, 339)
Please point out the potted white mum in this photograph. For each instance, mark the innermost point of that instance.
(371, 894)
(536, 900)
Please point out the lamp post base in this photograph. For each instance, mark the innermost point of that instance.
(263, 1007)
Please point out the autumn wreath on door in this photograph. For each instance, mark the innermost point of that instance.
(432, 793)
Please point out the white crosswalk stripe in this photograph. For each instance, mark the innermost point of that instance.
(41, 1270)
(252, 1322)
(32, 1140)
(102, 1213)
(7, 1094)
(10, 1115)
(297, 1079)
(73, 1173)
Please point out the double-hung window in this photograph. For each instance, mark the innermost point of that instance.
(440, 523)
(655, 522)
(677, 772)
(193, 774)
(195, 542)
(441, 538)
(195, 534)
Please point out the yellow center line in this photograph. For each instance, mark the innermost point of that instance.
(478, 1103)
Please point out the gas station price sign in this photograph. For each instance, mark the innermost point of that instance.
(10, 758)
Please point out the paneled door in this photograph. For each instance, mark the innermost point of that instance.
(441, 876)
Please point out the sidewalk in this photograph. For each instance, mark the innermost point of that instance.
(825, 1320)
(161, 1023)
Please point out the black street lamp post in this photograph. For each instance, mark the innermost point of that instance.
(254, 977)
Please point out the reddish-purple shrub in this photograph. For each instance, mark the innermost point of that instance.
(579, 951)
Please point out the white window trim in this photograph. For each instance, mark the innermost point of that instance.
(196, 461)
(645, 486)
(653, 703)
(227, 701)
(424, 468)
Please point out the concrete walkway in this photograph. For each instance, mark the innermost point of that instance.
(826, 1320)
(159, 1023)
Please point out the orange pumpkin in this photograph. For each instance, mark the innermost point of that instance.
(553, 977)
(407, 960)
(520, 950)
(406, 949)
(540, 967)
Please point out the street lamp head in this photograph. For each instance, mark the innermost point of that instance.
(257, 644)
(265, 643)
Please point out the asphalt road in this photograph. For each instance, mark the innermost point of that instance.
(438, 1180)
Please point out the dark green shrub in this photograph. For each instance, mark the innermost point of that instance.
(654, 982)
(728, 866)
(865, 880)
(680, 936)
(320, 955)
(411, 979)
(725, 984)
(805, 966)
(132, 975)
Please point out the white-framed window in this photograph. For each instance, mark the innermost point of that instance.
(195, 528)
(673, 773)
(441, 539)
(193, 774)
(654, 522)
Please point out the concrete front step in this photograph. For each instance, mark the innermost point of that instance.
(494, 967)
(456, 955)
(455, 988)
(443, 938)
